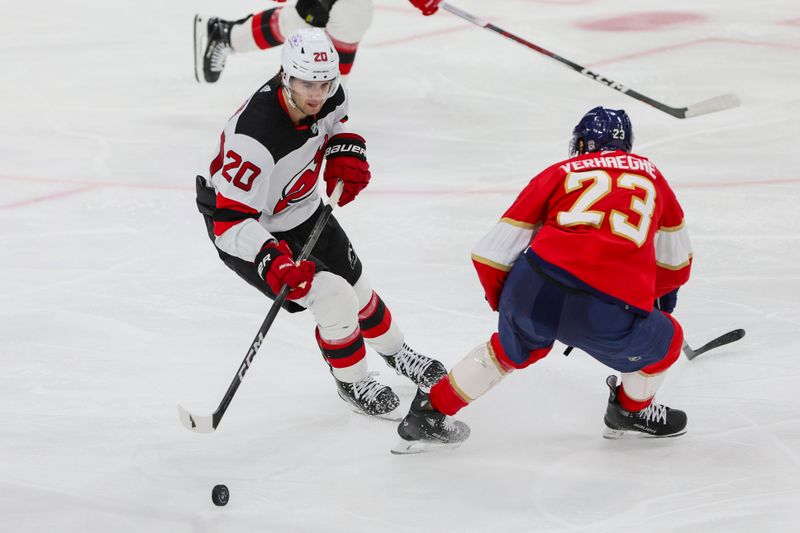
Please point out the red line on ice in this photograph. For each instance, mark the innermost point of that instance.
(47, 197)
(695, 42)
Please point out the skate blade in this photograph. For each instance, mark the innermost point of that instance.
(199, 47)
(410, 447)
(616, 434)
(392, 416)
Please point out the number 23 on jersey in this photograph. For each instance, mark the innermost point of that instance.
(597, 184)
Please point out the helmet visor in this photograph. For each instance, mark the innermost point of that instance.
(313, 90)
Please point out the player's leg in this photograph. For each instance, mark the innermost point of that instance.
(529, 311)
(641, 348)
(529, 316)
(631, 405)
(334, 305)
(375, 319)
(385, 337)
(212, 44)
(349, 21)
(216, 38)
(260, 31)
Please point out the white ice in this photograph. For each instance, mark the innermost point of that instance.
(114, 307)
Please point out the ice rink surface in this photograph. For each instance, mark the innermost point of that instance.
(114, 307)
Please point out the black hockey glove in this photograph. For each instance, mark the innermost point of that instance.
(667, 302)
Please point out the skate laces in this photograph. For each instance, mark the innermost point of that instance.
(367, 388)
(655, 413)
(219, 48)
(448, 424)
(411, 364)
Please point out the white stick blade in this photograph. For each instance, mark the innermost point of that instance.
(196, 423)
(718, 103)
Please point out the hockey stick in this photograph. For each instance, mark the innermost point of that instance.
(731, 336)
(208, 423)
(718, 103)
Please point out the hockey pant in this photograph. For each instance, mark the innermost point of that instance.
(345, 21)
(346, 309)
(534, 312)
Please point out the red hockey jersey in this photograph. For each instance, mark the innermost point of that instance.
(608, 219)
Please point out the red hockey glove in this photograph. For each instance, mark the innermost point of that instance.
(346, 156)
(492, 280)
(276, 266)
(428, 7)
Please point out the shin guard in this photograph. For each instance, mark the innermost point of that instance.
(639, 388)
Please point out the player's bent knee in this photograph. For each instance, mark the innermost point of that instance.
(334, 304)
(673, 352)
(641, 386)
(363, 289)
(349, 20)
(520, 359)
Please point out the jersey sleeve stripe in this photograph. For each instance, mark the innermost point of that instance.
(503, 244)
(673, 228)
(487, 262)
(673, 248)
(517, 223)
(675, 267)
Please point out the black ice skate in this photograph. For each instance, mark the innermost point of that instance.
(420, 369)
(212, 44)
(654, 421)
(424, 428)
(369, 397)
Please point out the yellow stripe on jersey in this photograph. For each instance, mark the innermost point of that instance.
(488, 262)
(517, 223)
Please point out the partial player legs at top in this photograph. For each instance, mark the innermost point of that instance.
(345, 21)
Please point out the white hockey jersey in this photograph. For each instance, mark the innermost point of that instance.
(266, 171)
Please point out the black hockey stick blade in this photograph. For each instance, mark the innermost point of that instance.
(722, 340)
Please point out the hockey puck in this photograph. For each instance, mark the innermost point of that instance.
(220, 495)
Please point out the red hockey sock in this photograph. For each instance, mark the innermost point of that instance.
(445, 398)
(266, 33)
(629, 404)
(347, 55)
(375, 318)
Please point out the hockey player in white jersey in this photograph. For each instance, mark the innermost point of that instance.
(260, 201)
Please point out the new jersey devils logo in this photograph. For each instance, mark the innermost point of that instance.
(302, 185)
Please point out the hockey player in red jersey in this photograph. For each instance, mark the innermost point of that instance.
(260, 201)
(581, 256)
(345, 21)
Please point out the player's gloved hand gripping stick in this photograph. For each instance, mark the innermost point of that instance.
(208, 423)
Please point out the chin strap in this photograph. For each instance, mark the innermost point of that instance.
(287, 93)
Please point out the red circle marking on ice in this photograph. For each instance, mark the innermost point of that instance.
(653, 20)
(792, 22)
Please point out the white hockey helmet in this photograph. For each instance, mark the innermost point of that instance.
(308, 54)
